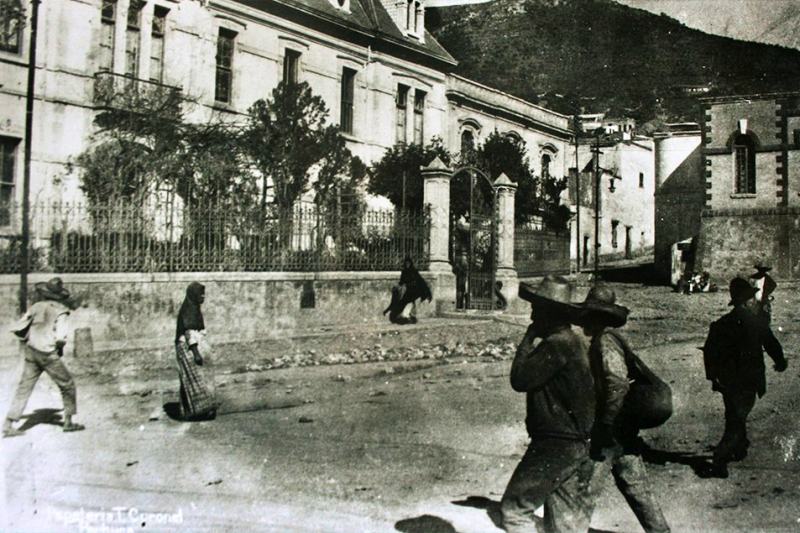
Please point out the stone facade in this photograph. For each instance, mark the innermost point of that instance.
(751, 147)
(475, 111)
(323, 38)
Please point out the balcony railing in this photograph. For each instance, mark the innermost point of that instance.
(124, 93)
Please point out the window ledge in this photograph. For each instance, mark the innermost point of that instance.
(222, 106)
(741, 195)
(350, 137)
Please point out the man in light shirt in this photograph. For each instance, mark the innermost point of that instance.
(44, 330)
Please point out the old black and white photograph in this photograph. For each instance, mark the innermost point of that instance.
(416, 266)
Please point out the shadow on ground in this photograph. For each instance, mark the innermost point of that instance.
(42, 416)
(425, 524)
(698, 463)
(638, 274)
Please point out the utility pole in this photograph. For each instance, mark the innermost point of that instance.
(26, 177)
(577, 200)
(596, 151)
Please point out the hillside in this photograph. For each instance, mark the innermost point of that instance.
(749, 21)
(615, 58)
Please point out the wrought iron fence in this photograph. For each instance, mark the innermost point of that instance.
(167, 237)
(539, 252)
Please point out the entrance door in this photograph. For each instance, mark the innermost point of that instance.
(628, 244)
(473, 241)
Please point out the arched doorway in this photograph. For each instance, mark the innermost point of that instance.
(473, 238)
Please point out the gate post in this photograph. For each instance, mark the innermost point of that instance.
(506, 190)
(436, 195)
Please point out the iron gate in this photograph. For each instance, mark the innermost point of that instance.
(473, 238)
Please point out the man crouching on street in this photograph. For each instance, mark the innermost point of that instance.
(556, 470)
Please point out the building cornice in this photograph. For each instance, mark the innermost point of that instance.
(477, 104)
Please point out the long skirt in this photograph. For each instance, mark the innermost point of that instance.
(197, 385)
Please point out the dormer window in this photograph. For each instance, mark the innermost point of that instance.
(414, 18)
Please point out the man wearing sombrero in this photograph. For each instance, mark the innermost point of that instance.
(44, 331)
(734, 360)
(556, 469)
(615, 434)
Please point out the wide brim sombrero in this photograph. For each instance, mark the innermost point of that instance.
(554, 291)
(52, 290)
(612, 315)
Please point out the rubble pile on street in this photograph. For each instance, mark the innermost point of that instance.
(501, 349)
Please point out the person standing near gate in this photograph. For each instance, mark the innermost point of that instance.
(615, 440)
(734, 361)
(44, 331)
(556, 470)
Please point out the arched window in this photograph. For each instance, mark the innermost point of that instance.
(467, 142)
(546, 160)
(744, 155)
(513, 136)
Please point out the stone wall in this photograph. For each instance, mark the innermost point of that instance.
(732, 240)
(137, 310)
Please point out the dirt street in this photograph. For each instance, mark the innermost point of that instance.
(420, 436)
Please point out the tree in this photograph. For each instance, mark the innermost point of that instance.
(503, 154)
(287, 136)
(398, 177)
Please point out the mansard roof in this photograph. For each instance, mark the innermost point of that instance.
(367, 22)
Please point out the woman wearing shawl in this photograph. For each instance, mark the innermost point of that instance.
(411, 288)
(198, 401)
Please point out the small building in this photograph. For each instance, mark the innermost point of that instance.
(751, 162)
(679, 199)
(625, 201)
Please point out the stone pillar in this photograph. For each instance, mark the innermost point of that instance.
(506, 190)
(436, 196)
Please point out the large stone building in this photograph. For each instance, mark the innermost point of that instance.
(751, 159)
(382, 75)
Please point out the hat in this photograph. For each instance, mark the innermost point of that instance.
(741, 291)
(555, 291)
(52, 290)
(599, 303)
(762, 265)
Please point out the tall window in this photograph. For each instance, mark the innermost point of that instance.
(291, 66)
(745, 161)
(108, 16)
(132, 37)
(546, 160)
(224, 77)
(614, 225)
(348, 99)
(8, 153)
(467, 142)
(641, 180)
(417, 16)
(409, 13)
(11, 21)
(157, 44)
(419, 116)
(401, 119)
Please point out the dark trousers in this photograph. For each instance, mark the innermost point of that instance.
(733, 444)
(35, 363)
(555, 473)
